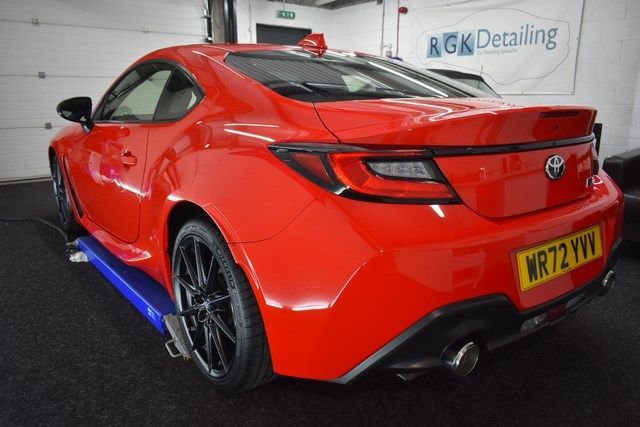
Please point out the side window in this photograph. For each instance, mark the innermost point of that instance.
(136, 96)
(179, 96)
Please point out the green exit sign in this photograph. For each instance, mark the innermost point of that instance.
(286, 14)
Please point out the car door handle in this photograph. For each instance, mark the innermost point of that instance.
(128, 159)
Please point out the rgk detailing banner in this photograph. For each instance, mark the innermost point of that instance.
(518, 46)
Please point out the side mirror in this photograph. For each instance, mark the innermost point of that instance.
(77, 110)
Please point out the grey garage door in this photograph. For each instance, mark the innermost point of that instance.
(276, 34)
(79, 47)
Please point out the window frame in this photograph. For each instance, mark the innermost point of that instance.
(174, 67)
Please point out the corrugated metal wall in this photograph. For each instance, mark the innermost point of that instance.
(81, 46)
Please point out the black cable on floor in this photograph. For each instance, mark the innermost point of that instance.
(42, 221)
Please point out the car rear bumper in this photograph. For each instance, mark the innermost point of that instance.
(491, 321)
(345, 278)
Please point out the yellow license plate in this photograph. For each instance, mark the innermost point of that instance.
(545, 262)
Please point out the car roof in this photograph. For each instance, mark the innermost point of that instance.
(225, 47)
(217, 49)
(241, 47)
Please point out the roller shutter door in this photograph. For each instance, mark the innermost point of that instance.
(56, 49)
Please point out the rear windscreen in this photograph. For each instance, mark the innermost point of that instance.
(337, 76)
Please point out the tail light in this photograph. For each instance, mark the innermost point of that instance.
(394, 176)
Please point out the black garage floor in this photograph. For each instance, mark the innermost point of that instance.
(73, 351)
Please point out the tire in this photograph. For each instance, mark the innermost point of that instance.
(63, 201)
(219, 318)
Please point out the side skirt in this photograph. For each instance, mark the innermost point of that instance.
(147, 295)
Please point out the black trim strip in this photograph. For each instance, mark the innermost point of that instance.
(511, 148)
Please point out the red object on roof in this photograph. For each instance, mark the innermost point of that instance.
(314, 42)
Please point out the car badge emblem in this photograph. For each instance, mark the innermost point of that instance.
(555, 167)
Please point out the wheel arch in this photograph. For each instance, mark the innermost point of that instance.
(179, 214)
(52, 154)
(184, 210)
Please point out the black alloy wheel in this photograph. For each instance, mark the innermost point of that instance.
(213, 297)
(205, 306)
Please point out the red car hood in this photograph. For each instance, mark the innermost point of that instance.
(453, 122)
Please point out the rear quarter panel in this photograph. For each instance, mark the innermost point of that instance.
(217, 157)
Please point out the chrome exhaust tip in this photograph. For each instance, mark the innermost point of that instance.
(461, 360)
(608, 282)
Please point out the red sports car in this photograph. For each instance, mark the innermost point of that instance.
(319, 213)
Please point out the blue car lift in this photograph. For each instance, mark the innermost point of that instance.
(147, 296)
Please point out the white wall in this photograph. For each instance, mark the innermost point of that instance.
(81, 46)
(359, 27)
(607, 73)
(607, 70)
(252, 12)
